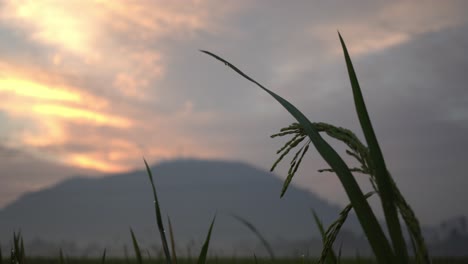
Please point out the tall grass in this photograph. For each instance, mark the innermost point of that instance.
(386, 250)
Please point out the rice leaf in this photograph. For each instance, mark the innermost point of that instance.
(204, 250)
(137, 248)
(158, 217)
(334, 229)
(18, 245)
(103, 258)
(331, 257)
(171, 235)
(382, 177)
(254, 230)
(369, 223)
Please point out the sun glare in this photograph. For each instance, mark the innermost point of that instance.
(35, 90)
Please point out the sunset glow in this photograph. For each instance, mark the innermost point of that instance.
(94, 85)
(77, 114)
(36, 90)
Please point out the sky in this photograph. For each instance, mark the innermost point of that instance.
(90, 87)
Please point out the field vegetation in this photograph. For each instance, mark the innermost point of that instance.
(388, 242)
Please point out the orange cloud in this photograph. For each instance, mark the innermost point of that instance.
(77, 114)
(56, 102)
(36, 90)
(90, 162)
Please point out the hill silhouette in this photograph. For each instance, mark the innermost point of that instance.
(101, 210)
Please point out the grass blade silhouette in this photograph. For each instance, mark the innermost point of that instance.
(369, 223)
(331, 256)
(103, 258)
(173, 247)
(382, 176)
(61, 257)
(254, 230)
(158, 216)
(137, 248)
(204, 250)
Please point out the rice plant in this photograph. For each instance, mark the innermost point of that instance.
(386, 250)
(170, 259)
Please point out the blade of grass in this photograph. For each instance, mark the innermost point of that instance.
(369, 223)
(61, 257)
(22, 252)
(204, 250)
(137, 248)
(383, 180)
(171, 235)
(331, 257)
(254, 230)
(334, 229)
(18, 248)
(158, 216)
(103, 258)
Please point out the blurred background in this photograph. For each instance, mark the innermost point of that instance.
(88, 88)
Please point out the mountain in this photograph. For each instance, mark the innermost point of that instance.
(101, 210)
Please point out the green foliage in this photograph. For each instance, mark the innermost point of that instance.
(18, 255)
(103, 258)
(171, 235)
(137, 248)
(204, 250)
(158, 217)
(330, 256)
(372, 163)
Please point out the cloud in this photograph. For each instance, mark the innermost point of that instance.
(99, 84)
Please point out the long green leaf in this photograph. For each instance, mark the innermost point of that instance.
(381, 174)
(254, 230)
(136, 247)
(158, 217)
(368, 221)
(204, 250)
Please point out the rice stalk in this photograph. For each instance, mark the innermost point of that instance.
(382, 176)
(331, 256)
(173, 247)
(204, 251)
(159, 221)
(103, 258)
(17, 253)
(334, 229)
(368, 220)
(136, 248)
(361, 153)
